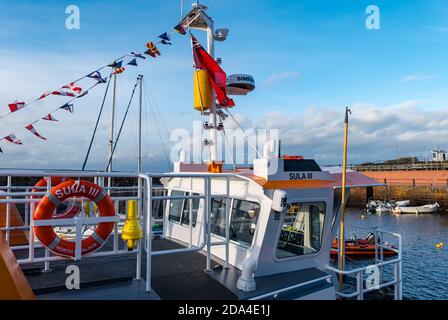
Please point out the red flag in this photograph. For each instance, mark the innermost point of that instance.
(49, 117)
(33, 131)
(202, 60)
(16, 106)
(13, 139)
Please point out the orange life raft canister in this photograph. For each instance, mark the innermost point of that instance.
(46, 234)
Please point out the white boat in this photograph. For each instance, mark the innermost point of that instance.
(429, 208)
(261, 233)
(404, 203)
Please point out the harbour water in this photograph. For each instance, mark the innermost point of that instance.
(425, 267)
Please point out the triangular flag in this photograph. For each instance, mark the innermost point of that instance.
(151, 46)
(150, 53)
(1, 151)
(68, 107)
(133, 63)
(13, 139)
(97, 76)
(165, 36)
(49, 117)
(116, 64)
(44, 95)
(165, 42)
(16, 106)
(137, 55)
(202, 60)
(33, 131)
(180, 29)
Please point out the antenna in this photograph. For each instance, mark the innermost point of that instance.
(181, 9)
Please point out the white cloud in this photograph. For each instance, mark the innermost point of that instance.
(375, 131)
(418, 77)
(281, 76)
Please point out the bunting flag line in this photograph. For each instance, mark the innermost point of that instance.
(137, 55)
(96, 75)
(202, 60)
(16, 106)
(180, 29)
(13, 139)
(133, 63)
(49, 117)
(166, 42)
(68, 107)
(33, 131)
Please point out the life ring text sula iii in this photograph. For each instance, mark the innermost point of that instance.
(46, 234)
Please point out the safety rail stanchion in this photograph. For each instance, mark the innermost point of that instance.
(116, 234)
(27, 211)
(138, 271)
(8, 209)
(149, 235)
(227, 224)
(360, 285)
(47, 253)
(209, 225)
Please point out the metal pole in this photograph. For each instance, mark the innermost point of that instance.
(344, 186)
(8, 209)
(139, 155)
(149, 235)
(208, 223)
(111, 134)
(213, 118)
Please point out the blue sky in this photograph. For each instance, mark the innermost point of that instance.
(310, 59)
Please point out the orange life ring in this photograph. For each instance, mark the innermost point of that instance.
(72, 211)
(46, 234)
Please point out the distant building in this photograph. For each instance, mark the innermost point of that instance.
(439, 155)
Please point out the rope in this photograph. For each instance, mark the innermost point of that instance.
(244, 132)
(96, 126)
(122, 123)
(157, 125)
(228, 145)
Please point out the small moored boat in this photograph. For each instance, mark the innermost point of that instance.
(429, 208)
(360, 248)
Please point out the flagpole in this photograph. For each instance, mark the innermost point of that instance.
(112, 127)
(344, 186)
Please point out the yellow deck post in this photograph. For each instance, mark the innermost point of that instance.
(14, 285)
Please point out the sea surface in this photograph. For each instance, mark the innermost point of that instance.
(424, 267)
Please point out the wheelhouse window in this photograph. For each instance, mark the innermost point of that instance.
(180, 209)
(301, 232)
(218, 217)
(243, 221)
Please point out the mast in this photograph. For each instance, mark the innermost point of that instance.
(213, 117)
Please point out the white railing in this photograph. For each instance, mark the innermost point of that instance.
(376, 270)
(145, 196)
(16, 194)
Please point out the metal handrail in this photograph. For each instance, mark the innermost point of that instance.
(380, 263)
